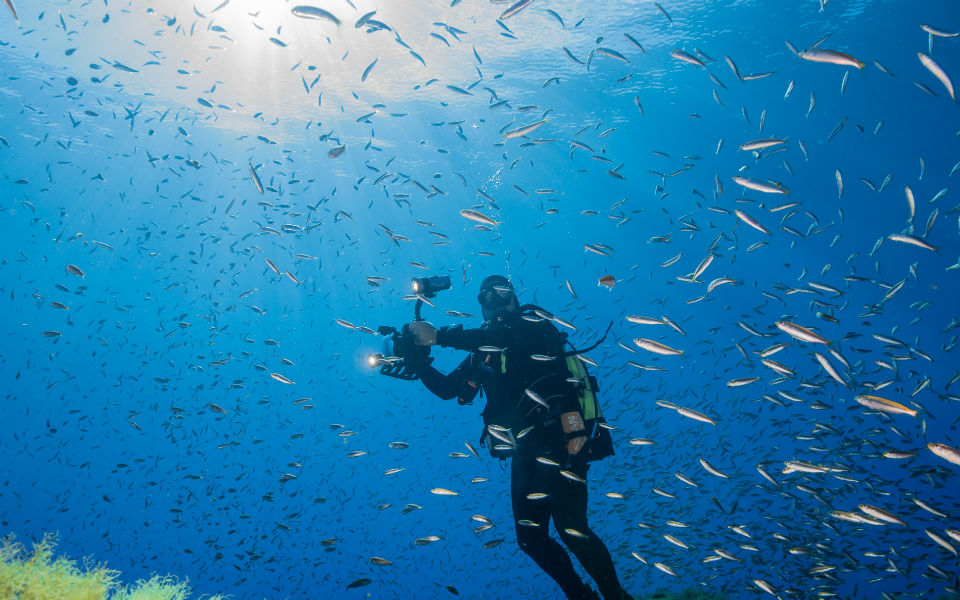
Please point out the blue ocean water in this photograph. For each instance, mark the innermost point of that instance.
(151, 288)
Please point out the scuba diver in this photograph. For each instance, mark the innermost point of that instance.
(534, 414)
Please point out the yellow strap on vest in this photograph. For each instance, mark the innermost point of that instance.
(588, 398)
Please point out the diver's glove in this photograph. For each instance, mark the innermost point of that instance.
(424, 333)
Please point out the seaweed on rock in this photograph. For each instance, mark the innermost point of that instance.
(39, 576)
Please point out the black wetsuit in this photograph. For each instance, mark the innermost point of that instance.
(527, 345)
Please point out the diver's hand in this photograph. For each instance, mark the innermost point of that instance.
(424, 333)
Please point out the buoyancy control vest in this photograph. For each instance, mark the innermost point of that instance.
(570, 372)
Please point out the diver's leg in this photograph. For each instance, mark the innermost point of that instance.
(535, 540)
(570, 518)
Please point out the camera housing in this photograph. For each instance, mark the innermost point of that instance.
(402, 355)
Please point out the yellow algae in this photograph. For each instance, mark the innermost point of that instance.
(40, 576)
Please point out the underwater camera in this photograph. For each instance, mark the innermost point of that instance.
(401, 354)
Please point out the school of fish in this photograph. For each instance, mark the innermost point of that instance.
(208, 209)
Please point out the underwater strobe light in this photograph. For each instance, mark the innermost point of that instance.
(374, 360)
(429, 286)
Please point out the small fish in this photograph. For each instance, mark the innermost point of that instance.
(9, 4)
(363, 20)
(575, 533)
(515, 8)
(796, 465)
(522, 131)
(607, 280)
(830, 56)
(692, 414)
(281, 378)
(272, 266)
(478, 217)
(443, 492)
(472, 449)
(644, 320)
(937, 72)
(945, 452)
(681, 55)
(801, 333)
(528, 523)
(656, 347)
(312, 12)
(912, 240)
(572, 476)
(750, 221)
(726, 555)
(426, 540)
(911, 203)
(711, 469)
(760, 144)
(760, 186)
(929, 508)
(75, 270)
(718, 282)
(942, 542)
(675, 541)
(596, 249)
(369, 68)
(763, 585)
(733, 67)
(612, 54)
(884, 405)
(571, 56)
(663, 12)
(938, 32)
(536, 398)
(882, 515)
(671, 261)
(665, 569)
(380, 562)
(829, 368)
(898, 454)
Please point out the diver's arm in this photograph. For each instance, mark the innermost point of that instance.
(469, 339)
(444, 386)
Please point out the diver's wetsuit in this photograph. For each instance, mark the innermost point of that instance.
(504, 376)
